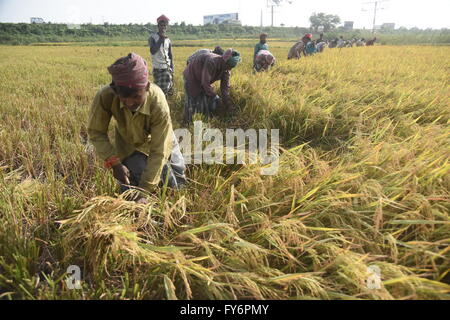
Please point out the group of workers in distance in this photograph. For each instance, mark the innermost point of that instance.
(145, 154)
(306, 46)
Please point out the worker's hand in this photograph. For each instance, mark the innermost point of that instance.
(121, 173)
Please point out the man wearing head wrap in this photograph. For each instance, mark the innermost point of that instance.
(264, 61)
(145, 152)
(199, 76)
(162, 58)
(299, 48)
(261, 45)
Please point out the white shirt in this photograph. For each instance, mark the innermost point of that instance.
(161, 58)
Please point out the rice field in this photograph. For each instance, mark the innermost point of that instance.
(363, 182)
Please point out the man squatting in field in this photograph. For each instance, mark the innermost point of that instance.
(264, 60)
(200, 74)
(162, 58)
(145, 151)
(261, 45)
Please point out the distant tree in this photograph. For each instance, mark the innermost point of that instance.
(326, 21)
(26, 33)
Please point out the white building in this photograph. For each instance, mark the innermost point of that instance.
(36, 20)
(227, 18)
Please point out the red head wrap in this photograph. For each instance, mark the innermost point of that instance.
(163, 18)
(130, 71)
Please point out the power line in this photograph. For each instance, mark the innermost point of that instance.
(375, 10)
(272, 4)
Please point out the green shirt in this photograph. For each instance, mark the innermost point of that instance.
(260, 46)
(148, 130)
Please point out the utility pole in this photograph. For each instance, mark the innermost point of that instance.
(272, 14)
(276, 3)
(374, 16)
(375, 10)
(261, 19)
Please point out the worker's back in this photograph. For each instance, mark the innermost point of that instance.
(295, 51)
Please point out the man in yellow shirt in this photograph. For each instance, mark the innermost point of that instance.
(145, 152)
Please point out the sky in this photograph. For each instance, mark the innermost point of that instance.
(407, 13)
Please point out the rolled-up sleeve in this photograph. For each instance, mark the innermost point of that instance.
(161, 142)
(98, 123)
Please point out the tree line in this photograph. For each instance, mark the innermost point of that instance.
(25, 33)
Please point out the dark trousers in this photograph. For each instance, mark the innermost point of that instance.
(173, 171)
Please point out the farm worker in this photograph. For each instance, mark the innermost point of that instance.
(333, 43)
(296, 50)
(351, 43)
(371, 42)
(261, 45)
(217, 50)
(311, 48)
(145, 152)
(307, 38)
(299, 48)
(361, 42)
(162, 58)
(321, 46)
(341, 42)
(199, 76)
(320, 38)
(264, 61)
